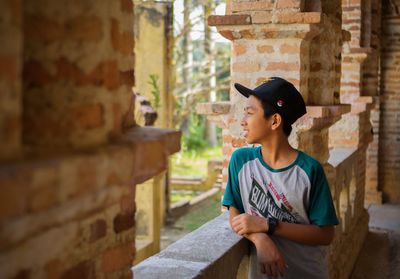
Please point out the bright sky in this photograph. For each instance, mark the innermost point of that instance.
(197, 31)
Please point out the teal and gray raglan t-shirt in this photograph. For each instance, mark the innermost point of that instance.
(298, 193)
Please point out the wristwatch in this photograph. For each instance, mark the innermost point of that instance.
(272, 224)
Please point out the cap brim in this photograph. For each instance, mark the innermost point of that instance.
(244, 90)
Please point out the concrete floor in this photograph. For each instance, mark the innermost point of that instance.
(380, 255)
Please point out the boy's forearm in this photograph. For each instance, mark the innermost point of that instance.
(253, 237)
(306, 234)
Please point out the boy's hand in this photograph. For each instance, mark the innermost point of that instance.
(270, 259)
(246, 224)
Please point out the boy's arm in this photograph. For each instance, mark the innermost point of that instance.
(269, 257)
(300, 233)
(306, 234)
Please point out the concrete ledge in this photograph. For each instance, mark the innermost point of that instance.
(338, 156)
(212, 251)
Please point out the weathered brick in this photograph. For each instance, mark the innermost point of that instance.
(117, 258)
(246, 67)
(265, 49)
(87, 116)
(288, 48)
(239, 49)
(23, 274)
(85, 269)
(121, 41)
(228, 34)
(252, 6)
(43, 198)
(126, 6)
(53, 269)
(238, 142)
(98, 229)
(229, 20)
(283, 66)
(124, 222)
(14, 185)
(282, 4)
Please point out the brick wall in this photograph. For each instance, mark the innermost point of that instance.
(68, 170)
(72, 97)
(389, 140)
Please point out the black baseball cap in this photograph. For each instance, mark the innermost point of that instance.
(281, 95)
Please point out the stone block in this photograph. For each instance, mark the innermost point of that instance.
(117, 258)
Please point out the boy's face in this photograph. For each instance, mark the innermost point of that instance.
(255, 127)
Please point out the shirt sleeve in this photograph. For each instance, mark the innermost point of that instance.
(232, 191)
(321, 210)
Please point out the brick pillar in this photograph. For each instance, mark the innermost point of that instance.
(301, 42)
(278, 39)
(389, 144)
(73, 98)
(359, 63)
(10, 79)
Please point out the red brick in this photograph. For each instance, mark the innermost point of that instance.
(98, 229)
(53, 269)
(105, 73)
(252, 6)
(43, 198)
(216, 20)
(87, 174)
(47, 30)
(83, 28)
(282, 4)
(246, 67)
(87, 116)
(265, 49)
(23, 274)
(14, 186)
(8, 68)
(124, 222)
(85, 269)
(310, 17)
(283, 66)
(238, 142)
(127, 204)
(35, 74)
(246, 34)
(117, 258)
(227, 138)
(227, 34)
(127, 6)
(121, 41)
(286, 48)
(239, 49)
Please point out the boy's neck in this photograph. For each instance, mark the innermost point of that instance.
(278, 153)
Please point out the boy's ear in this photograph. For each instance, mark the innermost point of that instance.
(276, 121)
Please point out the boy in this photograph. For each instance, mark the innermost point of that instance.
(278, 197)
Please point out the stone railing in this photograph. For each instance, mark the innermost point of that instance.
(212, 251)
(215, 251)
